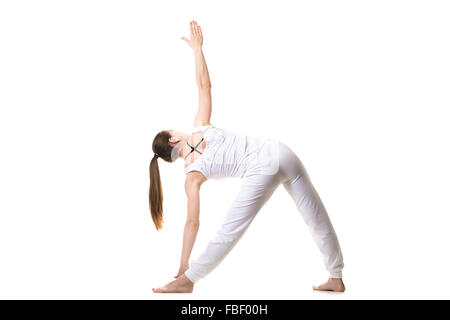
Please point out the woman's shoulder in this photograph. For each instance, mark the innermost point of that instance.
(208, 131)
(202, 127)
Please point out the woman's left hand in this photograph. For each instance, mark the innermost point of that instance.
(182, 269)
(196, 40)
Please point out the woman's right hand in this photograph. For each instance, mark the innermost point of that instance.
(183, 268)
(196, 40)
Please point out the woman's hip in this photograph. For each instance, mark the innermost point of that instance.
(290, 165)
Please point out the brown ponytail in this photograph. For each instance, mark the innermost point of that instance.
(155, 194)
(163, 150)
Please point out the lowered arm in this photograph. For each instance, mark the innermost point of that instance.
(192, 187)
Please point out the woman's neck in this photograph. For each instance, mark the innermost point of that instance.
(184, 149)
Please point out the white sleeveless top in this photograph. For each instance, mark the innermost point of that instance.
(229, 154)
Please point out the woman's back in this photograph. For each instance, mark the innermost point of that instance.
(230, 154)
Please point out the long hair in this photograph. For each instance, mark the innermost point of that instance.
(162, 149)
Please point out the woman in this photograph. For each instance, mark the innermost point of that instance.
(211, 152)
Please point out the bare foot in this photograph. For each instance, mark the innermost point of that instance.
(333, 284)
(181, 285)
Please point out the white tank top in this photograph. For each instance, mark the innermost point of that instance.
(229, 154)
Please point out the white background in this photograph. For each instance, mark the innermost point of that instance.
(359, 89)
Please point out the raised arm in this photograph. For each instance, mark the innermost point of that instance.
(203, 114)
(192, 188)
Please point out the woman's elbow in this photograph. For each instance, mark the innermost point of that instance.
(191, 223)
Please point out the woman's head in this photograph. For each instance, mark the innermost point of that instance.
(166, 146)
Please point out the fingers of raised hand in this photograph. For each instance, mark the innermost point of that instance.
(191, 27)
(195, 28)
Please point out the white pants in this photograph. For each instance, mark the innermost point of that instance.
(255, 191)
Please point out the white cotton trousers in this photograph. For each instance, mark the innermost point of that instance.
(255, 190)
